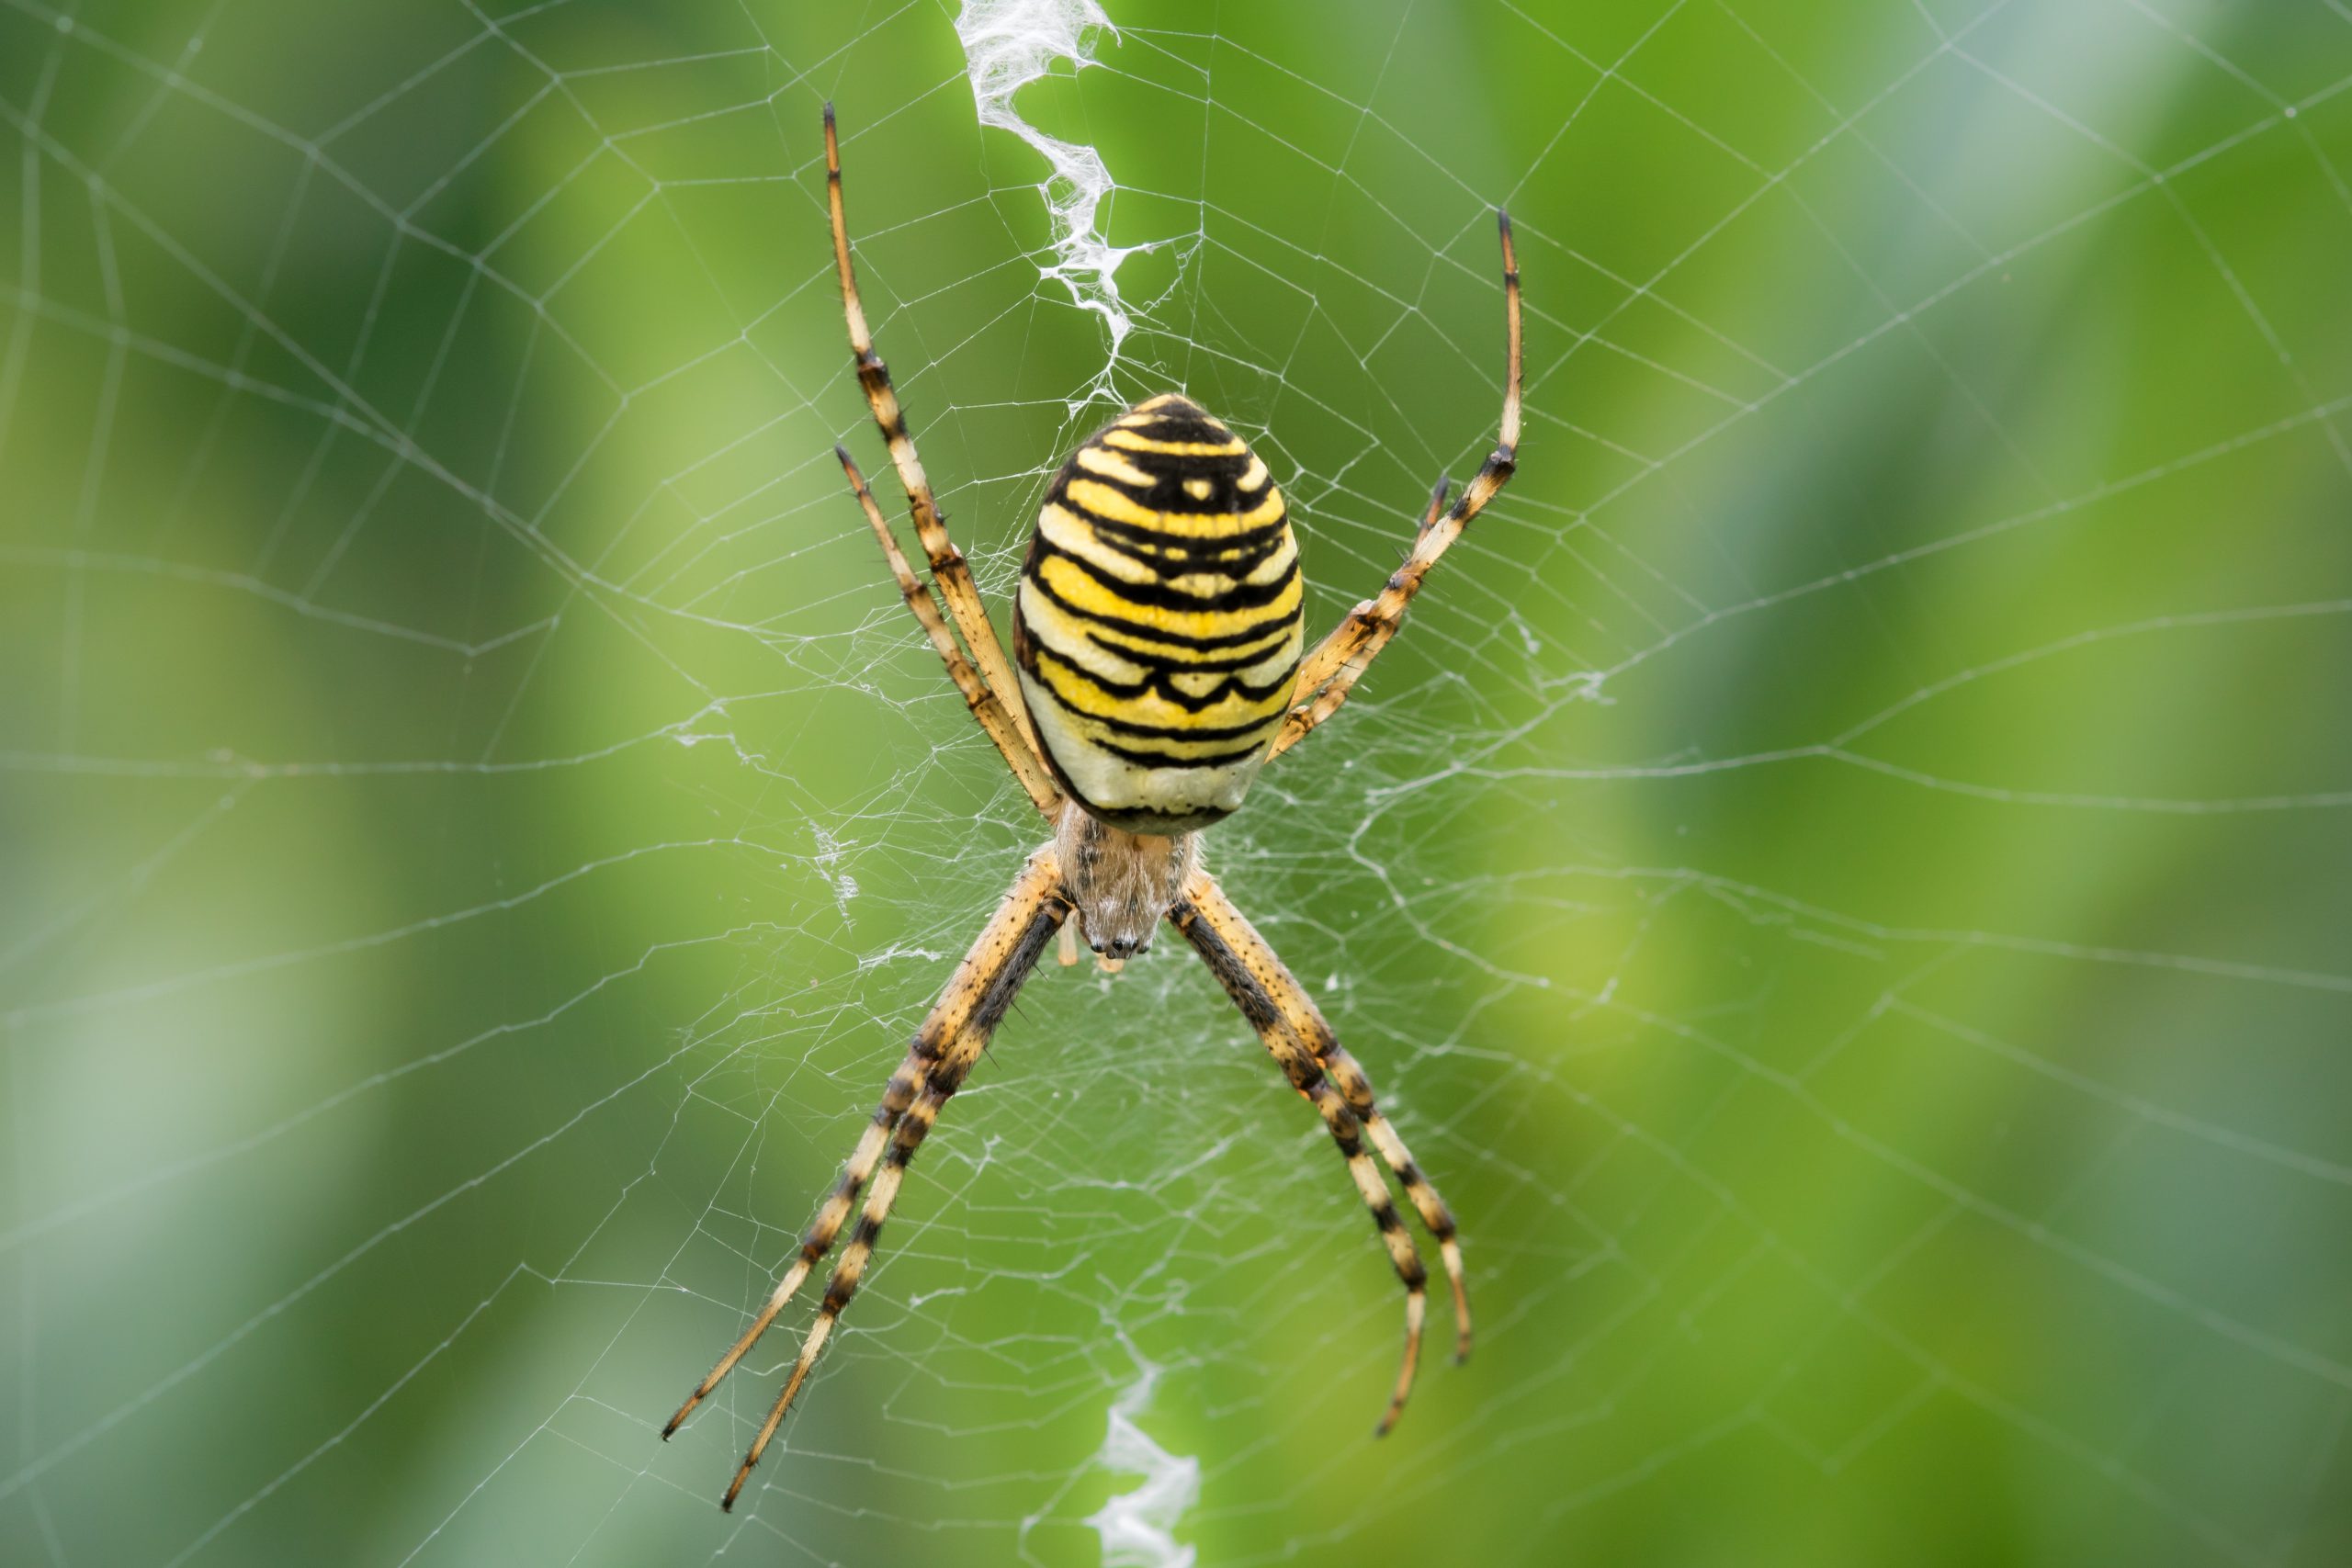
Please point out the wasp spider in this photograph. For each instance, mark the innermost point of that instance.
(1157, 632)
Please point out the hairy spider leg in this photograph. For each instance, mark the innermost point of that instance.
(948, 568)
(1307, 1076)
(986, 707)
(1306, 1023)
(991, 975)
(962, 1009)
(1331, 670)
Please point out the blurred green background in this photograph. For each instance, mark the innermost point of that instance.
(1843, 881)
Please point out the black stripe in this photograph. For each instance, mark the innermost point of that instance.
(1257, 631)
(1344, 1134)
(1179, 419)
(1261, 541)
(1230, 971)
(1177, 732)
(997, 999)
(1160, 596)
(1168, 474)
(1166, 469)
(1203, 432)
(1163, 760)
(1160, 682)
(1186, 421)
(1162, 663)
(1170, 556)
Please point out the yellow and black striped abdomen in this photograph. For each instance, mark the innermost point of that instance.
(1158, 625)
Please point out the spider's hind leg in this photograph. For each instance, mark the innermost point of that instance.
(1306, 1023)
(1276, 1006)
(941, 1054)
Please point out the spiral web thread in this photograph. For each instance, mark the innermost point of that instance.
(484, 826)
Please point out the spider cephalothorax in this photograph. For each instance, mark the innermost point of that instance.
(1158, 629)
(1120, 885)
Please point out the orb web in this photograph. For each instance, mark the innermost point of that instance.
(1840, 880)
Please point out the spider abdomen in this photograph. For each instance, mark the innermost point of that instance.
(1157, 627)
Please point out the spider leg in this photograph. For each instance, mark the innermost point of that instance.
(1207, 920)
(985, 705)
(1307, 1024)
(970, 996)
(984, 988)
(1331, 670)
(947, 565)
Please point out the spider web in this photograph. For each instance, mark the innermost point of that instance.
(1842, 881)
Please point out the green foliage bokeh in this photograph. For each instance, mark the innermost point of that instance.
(1844, 878)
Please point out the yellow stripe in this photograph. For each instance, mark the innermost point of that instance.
(1073, 639)
(1087, 700)
(1231, 447)
(1090, 598)
(1077, 638)
(1110, 465)
(1118, 641)
(1273, 566)
(1066, 530)
(1116, 506)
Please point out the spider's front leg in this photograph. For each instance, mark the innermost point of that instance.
(1328, 673)
(937, 1061)
(948, 567)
